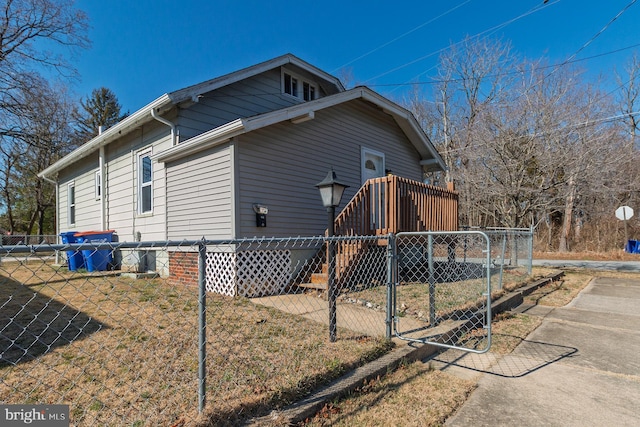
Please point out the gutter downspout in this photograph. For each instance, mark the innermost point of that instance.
(173, 143)
(166, 122)
(101, 168)
(55, 184)
(103, 205)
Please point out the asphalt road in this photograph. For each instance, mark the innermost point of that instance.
(630, 266)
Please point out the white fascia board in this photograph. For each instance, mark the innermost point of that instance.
(204, 140)
(192, 92)
(138, 118)
(143, 115)
(299, 110)
(313, 70)
(403, 118)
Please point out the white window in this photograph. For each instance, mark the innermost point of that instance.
(71, 197)
(98, 185)
(297, 87)
(308, 91)
(290, 85)
(145, 183)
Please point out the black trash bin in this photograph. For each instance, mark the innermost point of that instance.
(75, 259)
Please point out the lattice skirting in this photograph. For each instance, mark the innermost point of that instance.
(248, 273)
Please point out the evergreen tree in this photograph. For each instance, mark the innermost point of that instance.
(100, 109)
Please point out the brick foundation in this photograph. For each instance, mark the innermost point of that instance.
(183, 268)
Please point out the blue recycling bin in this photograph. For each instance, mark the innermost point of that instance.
(96, 259)
(633, 247)
(75, 259)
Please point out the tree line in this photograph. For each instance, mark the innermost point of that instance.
(529, 144)
(40, 122)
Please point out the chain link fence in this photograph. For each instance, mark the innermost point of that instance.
(443, 291)
(199, 332)
(138, 344)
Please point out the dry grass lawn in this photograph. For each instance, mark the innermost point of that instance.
(121, 351)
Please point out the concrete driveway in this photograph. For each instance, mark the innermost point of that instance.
(580, 367)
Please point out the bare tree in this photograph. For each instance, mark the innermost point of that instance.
(526, 146)
(29, 30)
(629, 96)
(26, 198)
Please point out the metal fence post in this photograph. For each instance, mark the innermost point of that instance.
(504, 250)
(432, 283)
(202, 324)
(331, 270)
(530, 266)
(392, 266)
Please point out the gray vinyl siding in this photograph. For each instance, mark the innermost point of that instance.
(199, 195)
(280, 165)
(256, 95)
(122, 170)
(87, 207)
(120, 189)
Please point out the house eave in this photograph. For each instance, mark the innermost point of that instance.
(133, 121)
(188, 94)
(205, 140)
(194, 91)
(430, 158)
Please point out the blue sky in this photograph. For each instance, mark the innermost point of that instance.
(142, 49)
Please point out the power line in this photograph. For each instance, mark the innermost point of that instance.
(402, 35)
(478, 35)
(595, 36)
(435, 81)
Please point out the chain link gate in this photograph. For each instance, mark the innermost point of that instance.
(441, 289)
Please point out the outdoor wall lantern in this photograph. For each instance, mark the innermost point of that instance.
(331, 191)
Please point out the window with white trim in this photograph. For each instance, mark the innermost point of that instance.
(145, 183)
(71, 198)
(297, 87)
(98, 185)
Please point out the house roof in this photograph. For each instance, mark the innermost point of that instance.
(168, 100)
(430, 158)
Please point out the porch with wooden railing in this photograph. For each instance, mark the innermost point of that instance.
(389, 204)
(392, 204)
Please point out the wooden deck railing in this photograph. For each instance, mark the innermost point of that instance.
(392, 204)
(389, 204)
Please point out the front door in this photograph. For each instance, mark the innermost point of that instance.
(372, 164)
(373, 167)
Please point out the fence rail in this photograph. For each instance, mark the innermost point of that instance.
(195, 332)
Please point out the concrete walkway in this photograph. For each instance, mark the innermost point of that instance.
(580, 367)
(350, 316)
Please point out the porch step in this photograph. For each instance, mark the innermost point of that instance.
(320, 277)
(318, 286)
